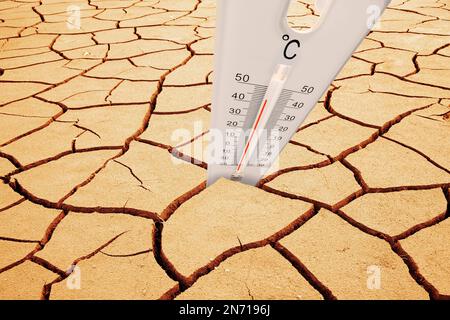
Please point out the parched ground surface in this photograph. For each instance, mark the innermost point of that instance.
(93, 205)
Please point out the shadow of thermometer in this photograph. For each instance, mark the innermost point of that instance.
(269, 77)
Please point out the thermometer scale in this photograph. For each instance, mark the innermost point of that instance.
(268, 77)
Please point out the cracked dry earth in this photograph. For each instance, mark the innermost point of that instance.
(86, 157)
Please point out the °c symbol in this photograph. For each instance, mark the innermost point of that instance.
(288, 46)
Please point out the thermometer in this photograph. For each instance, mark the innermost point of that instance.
(268, 77)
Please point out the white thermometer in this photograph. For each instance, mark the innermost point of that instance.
(268, 77)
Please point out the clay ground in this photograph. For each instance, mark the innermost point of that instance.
(94, 207)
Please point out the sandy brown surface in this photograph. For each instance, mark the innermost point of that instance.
(91, 192)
